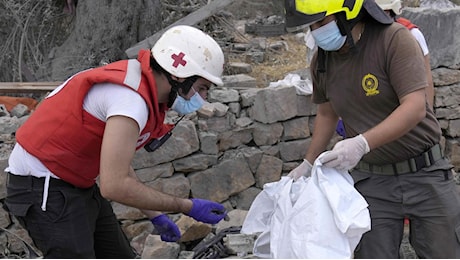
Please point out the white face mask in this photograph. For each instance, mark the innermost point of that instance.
(328, 37)
(184, 106)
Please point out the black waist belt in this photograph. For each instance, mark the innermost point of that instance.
(32, 182)
(411, 165)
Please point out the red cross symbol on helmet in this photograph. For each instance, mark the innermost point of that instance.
(178, 59)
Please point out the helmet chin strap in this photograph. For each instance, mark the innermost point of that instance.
(345, 27)
(176, 85)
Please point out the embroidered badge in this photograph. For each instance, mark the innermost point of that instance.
(370, 85)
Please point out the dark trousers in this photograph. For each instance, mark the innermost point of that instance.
(77, 223)
(431, 201)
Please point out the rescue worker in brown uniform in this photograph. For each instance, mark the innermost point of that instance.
(370, 72)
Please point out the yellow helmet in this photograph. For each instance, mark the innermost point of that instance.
(350, 7)
(303, 13)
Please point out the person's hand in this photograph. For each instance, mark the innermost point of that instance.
(346, 154)
(304, 169)
(207, 211)
(169, 232)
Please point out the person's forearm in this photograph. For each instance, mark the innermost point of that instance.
(400, 121)
(325, 124)
(132, 192)
(117, 179)
(149, 213)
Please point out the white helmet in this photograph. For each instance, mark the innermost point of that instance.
(394, 5)
(185, 51)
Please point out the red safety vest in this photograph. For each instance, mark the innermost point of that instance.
(67, 139)
(409, 25)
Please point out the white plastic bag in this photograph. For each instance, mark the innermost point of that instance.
(326, 221)
(303, 86)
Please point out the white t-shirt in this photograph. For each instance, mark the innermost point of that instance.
(421, 40)
(102, 101)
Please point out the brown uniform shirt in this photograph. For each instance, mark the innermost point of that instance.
(364, 88)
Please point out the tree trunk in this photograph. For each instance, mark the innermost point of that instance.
(103, 30)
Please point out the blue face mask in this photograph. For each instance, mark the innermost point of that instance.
(184, 106)
(328, 37)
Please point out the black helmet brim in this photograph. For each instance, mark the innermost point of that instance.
(295, 20)
(376, 12)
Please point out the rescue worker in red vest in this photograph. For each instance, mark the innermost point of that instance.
(370, 71)
(91, 126)
(393, 9)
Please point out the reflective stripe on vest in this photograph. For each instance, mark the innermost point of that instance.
(133, 74)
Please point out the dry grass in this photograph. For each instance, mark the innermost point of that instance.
(277, 64)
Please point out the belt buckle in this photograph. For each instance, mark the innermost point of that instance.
(428, 157)
(413, 167)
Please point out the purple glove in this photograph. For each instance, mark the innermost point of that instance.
(207, 211)
(168, 230)
(340, 129)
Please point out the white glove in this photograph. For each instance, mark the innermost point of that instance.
(346, 153)
(304, 169)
